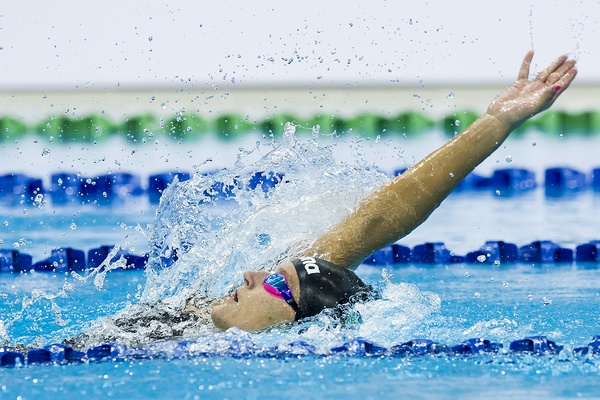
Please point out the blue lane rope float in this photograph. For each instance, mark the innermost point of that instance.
(59, 354)
(54, 354)
(359, 347)
(105, 190)
(418, 347)
(493, 252)
(588, 252)
(536, 345)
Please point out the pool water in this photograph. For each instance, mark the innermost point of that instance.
(502, 304)
(447, 303)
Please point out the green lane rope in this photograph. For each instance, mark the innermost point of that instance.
(141, 128)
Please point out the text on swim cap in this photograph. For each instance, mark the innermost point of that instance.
(310, 265)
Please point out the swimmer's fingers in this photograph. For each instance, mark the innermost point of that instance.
(525, 66)
(552, 90)
(543, 76)
(565, 80)
(555, 76)
(527, 98)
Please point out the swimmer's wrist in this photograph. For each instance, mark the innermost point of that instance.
(501, 124)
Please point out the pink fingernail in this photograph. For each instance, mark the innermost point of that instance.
(557, 88)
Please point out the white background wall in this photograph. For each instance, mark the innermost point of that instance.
(108, 44)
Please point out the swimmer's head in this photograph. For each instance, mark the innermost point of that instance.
(324, 285)
(314, 284)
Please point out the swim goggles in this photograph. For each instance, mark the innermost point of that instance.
(277, 285)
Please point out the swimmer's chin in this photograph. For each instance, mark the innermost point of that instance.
(215, 317)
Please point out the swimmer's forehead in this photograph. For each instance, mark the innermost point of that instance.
(283, 268)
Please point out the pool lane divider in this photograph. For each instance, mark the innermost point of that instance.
(69, 189)
(69, 260)
(59, 354)
(66, 259)
(190, 126)
(492, 253)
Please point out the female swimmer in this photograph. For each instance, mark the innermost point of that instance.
(322, 277)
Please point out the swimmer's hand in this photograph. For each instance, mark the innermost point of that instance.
(525, 97)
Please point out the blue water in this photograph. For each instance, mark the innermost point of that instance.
(502, 312)
(445, 303)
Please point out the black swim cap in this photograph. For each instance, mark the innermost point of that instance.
(324, 285)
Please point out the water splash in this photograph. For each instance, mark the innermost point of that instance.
(271, 204)
(36, 299)
(221, 224)
(99, 273)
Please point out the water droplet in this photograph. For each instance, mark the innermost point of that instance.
(378, 138)
(498, 193)
(467, 274)
(5, 223)
(481, 258)
(530, 297)
(73, 226)
(163, 105)
(451, 95)
(504, 283)
(533, 143)
(150, 38)
(477, 295)
(508, 159)
(546, 301)
(51, 139)
(45, 152)
(38, 199)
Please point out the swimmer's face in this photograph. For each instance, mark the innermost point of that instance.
(252, 307)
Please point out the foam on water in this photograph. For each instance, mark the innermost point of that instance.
(216, 239)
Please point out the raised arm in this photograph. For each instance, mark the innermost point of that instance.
(398, 207)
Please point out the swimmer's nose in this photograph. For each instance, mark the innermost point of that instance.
(254, 278)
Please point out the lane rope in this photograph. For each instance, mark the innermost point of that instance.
(69, 189)
(188, 126)
(238, 345)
